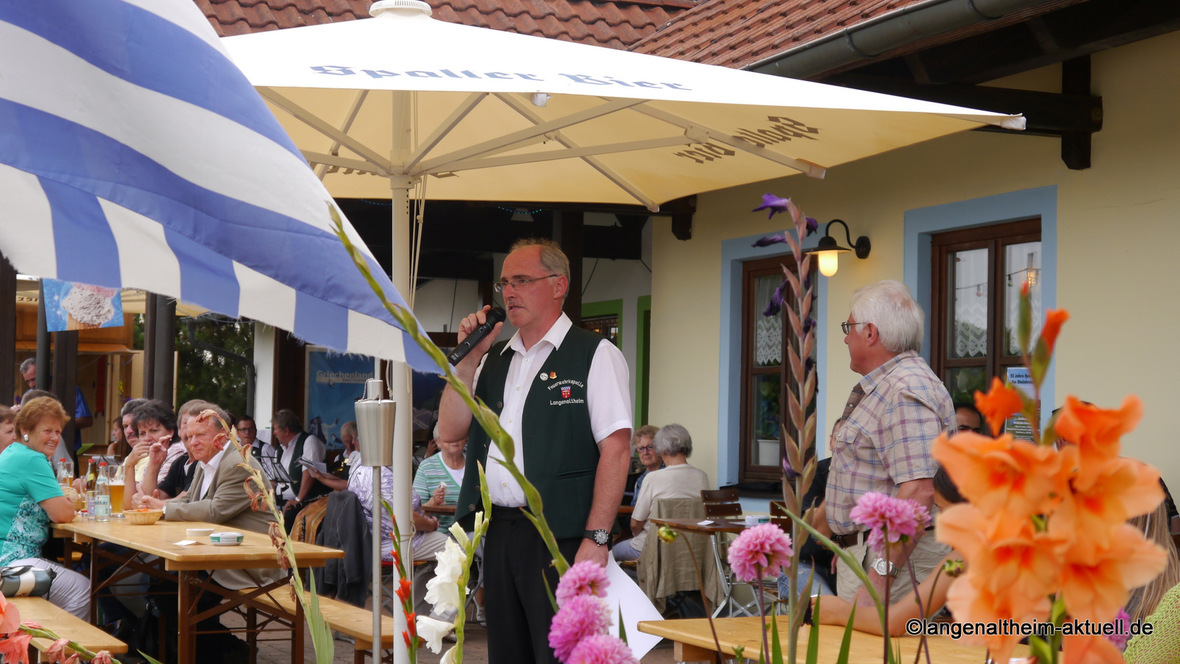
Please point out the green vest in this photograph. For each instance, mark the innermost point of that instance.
(560, 453)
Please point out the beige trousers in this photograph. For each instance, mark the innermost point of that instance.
(925, 558)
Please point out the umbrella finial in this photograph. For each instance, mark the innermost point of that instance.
(392, 7)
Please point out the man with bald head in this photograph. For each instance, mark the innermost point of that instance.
(563, 394)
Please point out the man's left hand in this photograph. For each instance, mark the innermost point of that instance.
(591, 551)
(145, 502)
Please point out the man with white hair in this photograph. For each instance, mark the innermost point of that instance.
(882, 442)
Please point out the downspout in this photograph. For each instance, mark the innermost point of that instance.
(190, 327)
(878, 35)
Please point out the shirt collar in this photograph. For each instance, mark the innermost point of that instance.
(554, 336)
(211, 466)
(870, 381)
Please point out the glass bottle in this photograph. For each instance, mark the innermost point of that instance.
(102, 494)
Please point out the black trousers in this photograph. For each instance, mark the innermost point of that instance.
(516, 600)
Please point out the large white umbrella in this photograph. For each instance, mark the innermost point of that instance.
(480, 114)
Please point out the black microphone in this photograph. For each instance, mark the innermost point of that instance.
(495, 315)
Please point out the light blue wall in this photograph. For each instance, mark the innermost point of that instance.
(733, 252)
(922, 223)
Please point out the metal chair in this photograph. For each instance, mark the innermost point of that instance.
(724, 504)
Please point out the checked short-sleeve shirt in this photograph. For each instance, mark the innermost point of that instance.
(885, 436)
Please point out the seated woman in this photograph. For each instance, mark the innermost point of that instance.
(835, 611)
(678, 479)
(30, 498)
(155, 423)
(439, 477)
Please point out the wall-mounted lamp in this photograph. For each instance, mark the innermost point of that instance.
(828, 249)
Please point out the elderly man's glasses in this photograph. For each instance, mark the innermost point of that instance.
(646, 448)
(847, 327)
(516, 284)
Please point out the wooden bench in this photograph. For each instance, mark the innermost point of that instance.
(57, 620)
(343, 617)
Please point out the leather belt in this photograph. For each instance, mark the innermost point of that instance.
(848, 539)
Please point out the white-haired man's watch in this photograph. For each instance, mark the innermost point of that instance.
(599, 536)
(885, 568)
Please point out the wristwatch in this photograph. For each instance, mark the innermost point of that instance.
(885, 568)
(599, 537)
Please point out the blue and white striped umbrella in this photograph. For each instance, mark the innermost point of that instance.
(133, 153)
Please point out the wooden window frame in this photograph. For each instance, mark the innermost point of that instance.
(996, 238)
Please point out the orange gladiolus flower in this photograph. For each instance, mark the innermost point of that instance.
(1054, 318)
(1004, 474)
(1089, 649)
(1120, 489)
(1000, 403)
(1095, 587)
(972, 601)
(1096, 431)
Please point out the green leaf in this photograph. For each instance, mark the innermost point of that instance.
(776, 647)
(813, 633)
(622, 626)
(846, 642)
(1038, 364)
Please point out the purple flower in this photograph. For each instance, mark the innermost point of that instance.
(773, 203)
(582, 616)
(777, 238)
(1122, 630)
(584, 578)
(891, 519)
(788, 472)
(602, 649)
(812, 225)
(759, 551)
(808, 323)
(776, 300)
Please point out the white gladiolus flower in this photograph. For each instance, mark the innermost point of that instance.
(460, 535)
(433, 631)
(449, 657)
(443, 590)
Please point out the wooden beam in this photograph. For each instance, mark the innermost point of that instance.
(1075, 145)
(65, 383)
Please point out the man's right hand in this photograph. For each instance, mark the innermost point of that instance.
(466, 327)
(141, 450)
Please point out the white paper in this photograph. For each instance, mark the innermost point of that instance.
(313, 465)
(186, 542)
(624, 592)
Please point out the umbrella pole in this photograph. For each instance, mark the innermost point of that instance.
(399, 392)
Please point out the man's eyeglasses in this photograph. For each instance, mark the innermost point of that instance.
(500, 285)
(847, 327)
(645, 448)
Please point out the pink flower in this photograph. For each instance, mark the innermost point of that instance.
(9, 616)
(759, 551)
(103, 657)
(602, 649)
(582, 616)
(57, 651)
(584, 578)
(14, 648)
(892, 520)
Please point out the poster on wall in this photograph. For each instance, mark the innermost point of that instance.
(334, 382)
(75, 306)
(1021, 379)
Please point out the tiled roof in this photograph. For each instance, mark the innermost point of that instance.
(738, 33)
(614, 24)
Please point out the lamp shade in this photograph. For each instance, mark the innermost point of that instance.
(829, 262)
(374, 424)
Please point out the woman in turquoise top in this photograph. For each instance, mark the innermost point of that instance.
(439, 477)
(30, 498)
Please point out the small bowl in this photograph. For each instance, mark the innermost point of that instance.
(226, 538)
(197, 533)
(142, 517)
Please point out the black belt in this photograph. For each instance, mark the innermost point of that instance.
(848, 539)
(507, 513)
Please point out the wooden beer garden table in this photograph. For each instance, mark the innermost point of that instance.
(187, 562)
(693, 642)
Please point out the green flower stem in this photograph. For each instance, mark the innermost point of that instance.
(321, 633)
(483, 415)
(42, 633)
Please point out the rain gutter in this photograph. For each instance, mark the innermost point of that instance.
(869, 39)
